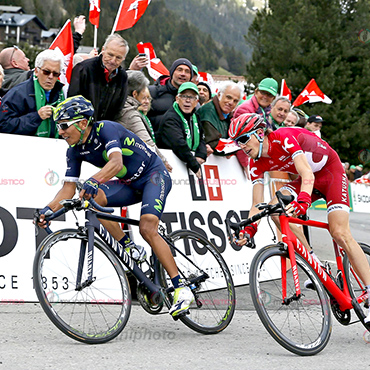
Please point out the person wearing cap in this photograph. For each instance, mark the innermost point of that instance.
(261, 100)
(180, 129)
(164, 90)
(314, 124)
(195, 77)
(205, 92)
(217, 114)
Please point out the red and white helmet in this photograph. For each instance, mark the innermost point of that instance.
(244, 124)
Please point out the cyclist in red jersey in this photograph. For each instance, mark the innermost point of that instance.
(298, 151)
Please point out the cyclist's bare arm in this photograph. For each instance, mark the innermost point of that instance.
(111, 169)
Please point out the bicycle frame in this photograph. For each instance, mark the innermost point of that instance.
(343, 297)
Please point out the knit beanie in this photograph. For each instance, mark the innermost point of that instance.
(178, 62)
(206, 84)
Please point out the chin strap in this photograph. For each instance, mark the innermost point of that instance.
(82, 132)
(260, 139)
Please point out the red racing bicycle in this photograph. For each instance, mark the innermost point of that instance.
(299, 318)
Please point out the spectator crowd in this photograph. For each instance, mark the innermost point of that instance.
(176, 112)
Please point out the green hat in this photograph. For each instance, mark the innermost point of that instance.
(352, 167)
(195, 69)
(188, 86)
(269, 85)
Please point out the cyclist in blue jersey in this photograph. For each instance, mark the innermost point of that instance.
(118, 153)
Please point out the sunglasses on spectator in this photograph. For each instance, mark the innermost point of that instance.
(186, 97)
(15, 47)
(46, 72)
(242, 140)
(64, 125)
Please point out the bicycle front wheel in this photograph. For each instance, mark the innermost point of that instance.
(88, 311)
(214, 304)
(303, 325)
(355, 285)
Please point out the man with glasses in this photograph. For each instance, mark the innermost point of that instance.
(28, 107)
(16, 67)
(217, 114)
(102, 79)
(180, 129)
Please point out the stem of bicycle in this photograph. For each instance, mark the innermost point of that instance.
(344, 300)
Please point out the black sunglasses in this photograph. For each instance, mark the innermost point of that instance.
(46, 72)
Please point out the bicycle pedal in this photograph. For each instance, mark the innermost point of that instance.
(181, 314)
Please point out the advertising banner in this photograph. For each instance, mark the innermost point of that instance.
(32, 172)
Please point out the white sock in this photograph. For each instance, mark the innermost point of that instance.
(367, 319)
(312, 253)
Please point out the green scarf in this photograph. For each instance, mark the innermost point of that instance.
(44, 130)
(187, 128)
(149, 125)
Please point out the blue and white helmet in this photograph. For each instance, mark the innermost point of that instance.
(73, 108)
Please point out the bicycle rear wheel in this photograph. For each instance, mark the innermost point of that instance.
(302, 326)
(356, 287)
(94, 314)
(214, 303)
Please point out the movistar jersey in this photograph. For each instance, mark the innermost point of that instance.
(105, 138)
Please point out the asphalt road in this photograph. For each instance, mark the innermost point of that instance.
(30, 341)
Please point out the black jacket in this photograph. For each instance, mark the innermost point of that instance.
(171, 135)
(163, 94)
(108, 98)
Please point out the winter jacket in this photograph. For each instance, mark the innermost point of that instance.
(163, 94)
(108, 98)
(252, 106)
(171, 135)
(214, 124)
(132, 119)
(18, 114)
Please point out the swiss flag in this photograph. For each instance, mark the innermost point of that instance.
(285, 91)
(64, 44)
(155, 67)
(129, 13)
(312, 94)
(94, 13)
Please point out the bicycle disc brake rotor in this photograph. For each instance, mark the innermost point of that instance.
(146, 303)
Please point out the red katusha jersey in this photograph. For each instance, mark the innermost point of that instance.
(285, 144)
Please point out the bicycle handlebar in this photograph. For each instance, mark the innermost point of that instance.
(267, 209)
(78, 204)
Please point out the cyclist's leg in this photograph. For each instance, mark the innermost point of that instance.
(153, 202)
(341, 233)
(115, 194)
(149, 231)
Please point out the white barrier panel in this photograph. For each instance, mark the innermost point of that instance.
(32, 170)
(360, 194)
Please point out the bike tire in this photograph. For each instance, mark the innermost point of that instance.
(355, 286)
(214, 304)
(95, 314)
(303, 326)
